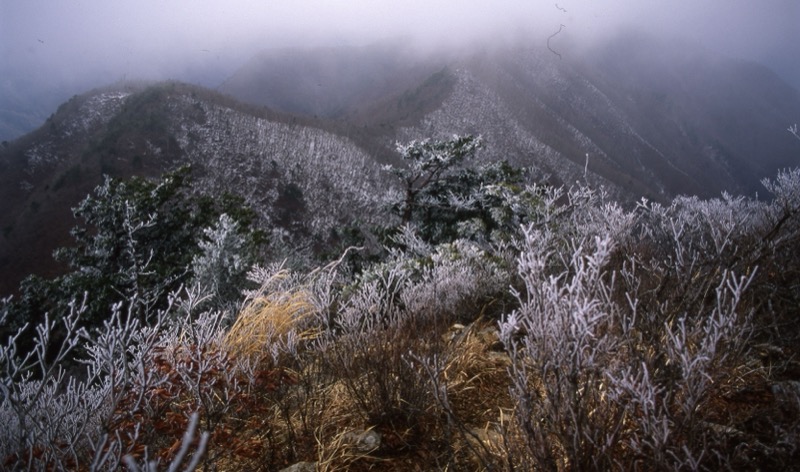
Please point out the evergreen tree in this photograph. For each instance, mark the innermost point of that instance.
(220, 269)
(136, 243)
(448, 200)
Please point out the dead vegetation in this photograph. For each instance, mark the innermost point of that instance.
(659, 339)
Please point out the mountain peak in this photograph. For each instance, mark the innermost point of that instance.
(636, 117)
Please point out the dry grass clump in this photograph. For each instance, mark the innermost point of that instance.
(268, 320)
(274, 318)
(660, 346)
(434, 396)
(477, 372)
(474, 396)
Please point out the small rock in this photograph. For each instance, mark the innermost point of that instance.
(787, 392)
(488, 437)
(301, 467)
(723, 430)
(365, 441)
(490, 337)
(454, 331)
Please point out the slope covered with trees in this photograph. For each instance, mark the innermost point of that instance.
(633, 115)
(528, 328)
(303, 181)
(657, 118)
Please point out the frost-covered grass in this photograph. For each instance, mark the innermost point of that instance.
(594, 338)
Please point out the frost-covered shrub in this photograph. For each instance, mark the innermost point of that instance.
(632, 324)
(425, 281)
(447, 200)
(222, 265)
(457, 279)
(397, 311)
(785, 190)
(135, 243)
(141, 390)
(682, 248)
(599, 384)
(50, 418)
(561, 341)
(628, 342)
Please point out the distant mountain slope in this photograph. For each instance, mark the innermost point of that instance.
(651, 125)
(23, 109)
(719, 123)
(656, 119)
(329, 82)
(301, 178)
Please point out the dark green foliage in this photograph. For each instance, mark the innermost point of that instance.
(220, 269)
(71, 176)
(428, 162)
(465, 204)
(135, 243)
(290, 206)
(447, 200)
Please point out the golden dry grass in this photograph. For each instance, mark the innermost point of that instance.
(476, 374)
(267, 319)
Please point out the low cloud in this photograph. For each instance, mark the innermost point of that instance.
(90, 42)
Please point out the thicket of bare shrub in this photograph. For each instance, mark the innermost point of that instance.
(661, 338)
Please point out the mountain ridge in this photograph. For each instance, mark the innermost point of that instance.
(657, 118)
(638, 118)
(147, 130)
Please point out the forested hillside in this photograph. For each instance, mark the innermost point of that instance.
(300, 178)
(496, 259)
(656, 118)
(503, 326)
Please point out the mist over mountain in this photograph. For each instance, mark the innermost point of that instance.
(300, 178)
(329, 82)
(656, 118)
(50, 51)
(301, 133)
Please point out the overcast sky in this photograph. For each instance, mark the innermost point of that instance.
(93, 42)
